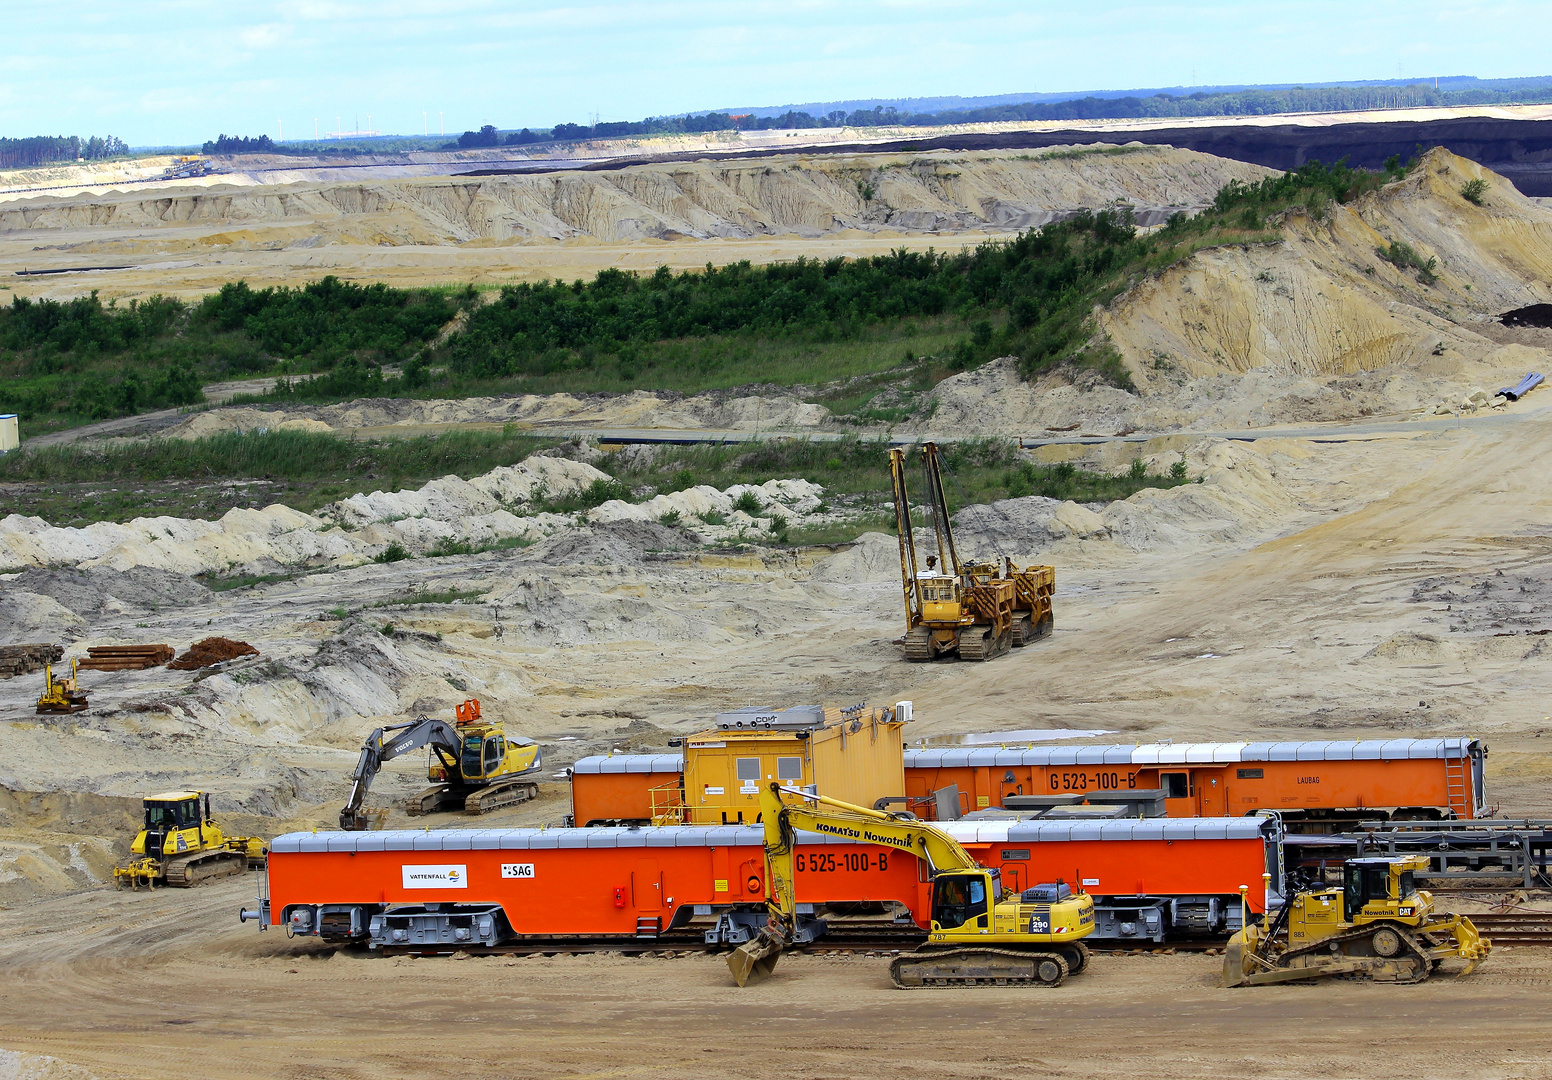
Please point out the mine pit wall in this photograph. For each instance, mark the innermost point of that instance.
(605, 882)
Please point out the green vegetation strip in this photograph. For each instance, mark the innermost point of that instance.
(910, 317)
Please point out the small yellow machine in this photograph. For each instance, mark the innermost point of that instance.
(1378, 925)
(979, 937)
(61, 695)
(474, 766)
(180, 845)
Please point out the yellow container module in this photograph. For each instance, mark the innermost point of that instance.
(855, 754)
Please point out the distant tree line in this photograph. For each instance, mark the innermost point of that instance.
(239, 144)
(1232, 103)
(50, 149)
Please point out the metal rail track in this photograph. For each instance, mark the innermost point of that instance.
(884, 944)
(1516, 927)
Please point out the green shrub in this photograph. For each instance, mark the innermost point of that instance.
(748, 502)
(391, 553)
(1473, 190)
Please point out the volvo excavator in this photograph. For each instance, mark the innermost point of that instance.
(973, 609)
(474, 765)
(1376, 925)
(979, 936)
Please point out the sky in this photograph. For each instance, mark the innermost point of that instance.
(161, 72)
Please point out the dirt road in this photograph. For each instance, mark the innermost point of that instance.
(169, 984)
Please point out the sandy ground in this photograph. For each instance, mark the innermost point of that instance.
(156, 985)
(498, 229)
(1309, 588)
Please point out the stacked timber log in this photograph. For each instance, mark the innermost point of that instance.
(25, 659)
(125, 657)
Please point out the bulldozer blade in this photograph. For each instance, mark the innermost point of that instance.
(1233, 965)
(754, 960)
(1293, 974)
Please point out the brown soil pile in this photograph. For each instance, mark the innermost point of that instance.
(212, 650)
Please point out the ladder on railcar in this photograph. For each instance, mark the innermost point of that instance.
(1455, 792)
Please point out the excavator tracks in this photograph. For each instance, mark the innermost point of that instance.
(494, 797)
(185, 872)
(948, 968)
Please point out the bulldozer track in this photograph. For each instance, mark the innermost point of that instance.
(185, 873)
(918, 646)
(1422, 962)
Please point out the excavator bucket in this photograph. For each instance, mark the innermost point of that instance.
(754, 960)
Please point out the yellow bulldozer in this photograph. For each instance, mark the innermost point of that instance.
(980, 936)
(180, 845)
(1376, 925)
(974, 609)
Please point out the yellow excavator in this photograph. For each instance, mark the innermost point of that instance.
(979, 936)
(973, 609)
(180, 845)
(1377, 925)
(475, 766)
(61, 695)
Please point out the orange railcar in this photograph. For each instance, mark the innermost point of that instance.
(469, 887)
(624, 789)
(1321, 781)
(1329, 782)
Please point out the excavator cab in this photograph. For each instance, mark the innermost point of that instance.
(963, 899)
(483, 756)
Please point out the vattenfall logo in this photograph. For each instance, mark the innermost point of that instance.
(865, 835)
(436, 877)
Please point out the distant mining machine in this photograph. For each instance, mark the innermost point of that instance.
(180, 845)
(475, 766)
(973, 609)
(1377, 925)
(61, 695)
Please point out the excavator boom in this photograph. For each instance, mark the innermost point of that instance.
(385, 744)
(1030, 940)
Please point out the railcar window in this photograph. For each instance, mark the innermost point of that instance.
(1178, 785)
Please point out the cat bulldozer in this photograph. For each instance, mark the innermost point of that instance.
(180, 845)
(1376, 925)
(980, 936)
(475, 766)
(974, 609)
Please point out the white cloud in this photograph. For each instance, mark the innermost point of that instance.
(266, 36)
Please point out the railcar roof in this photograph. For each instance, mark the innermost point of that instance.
(966, 832)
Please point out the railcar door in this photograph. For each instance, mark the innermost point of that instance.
(648, 897)
(1210, 795)
(1179, 800)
